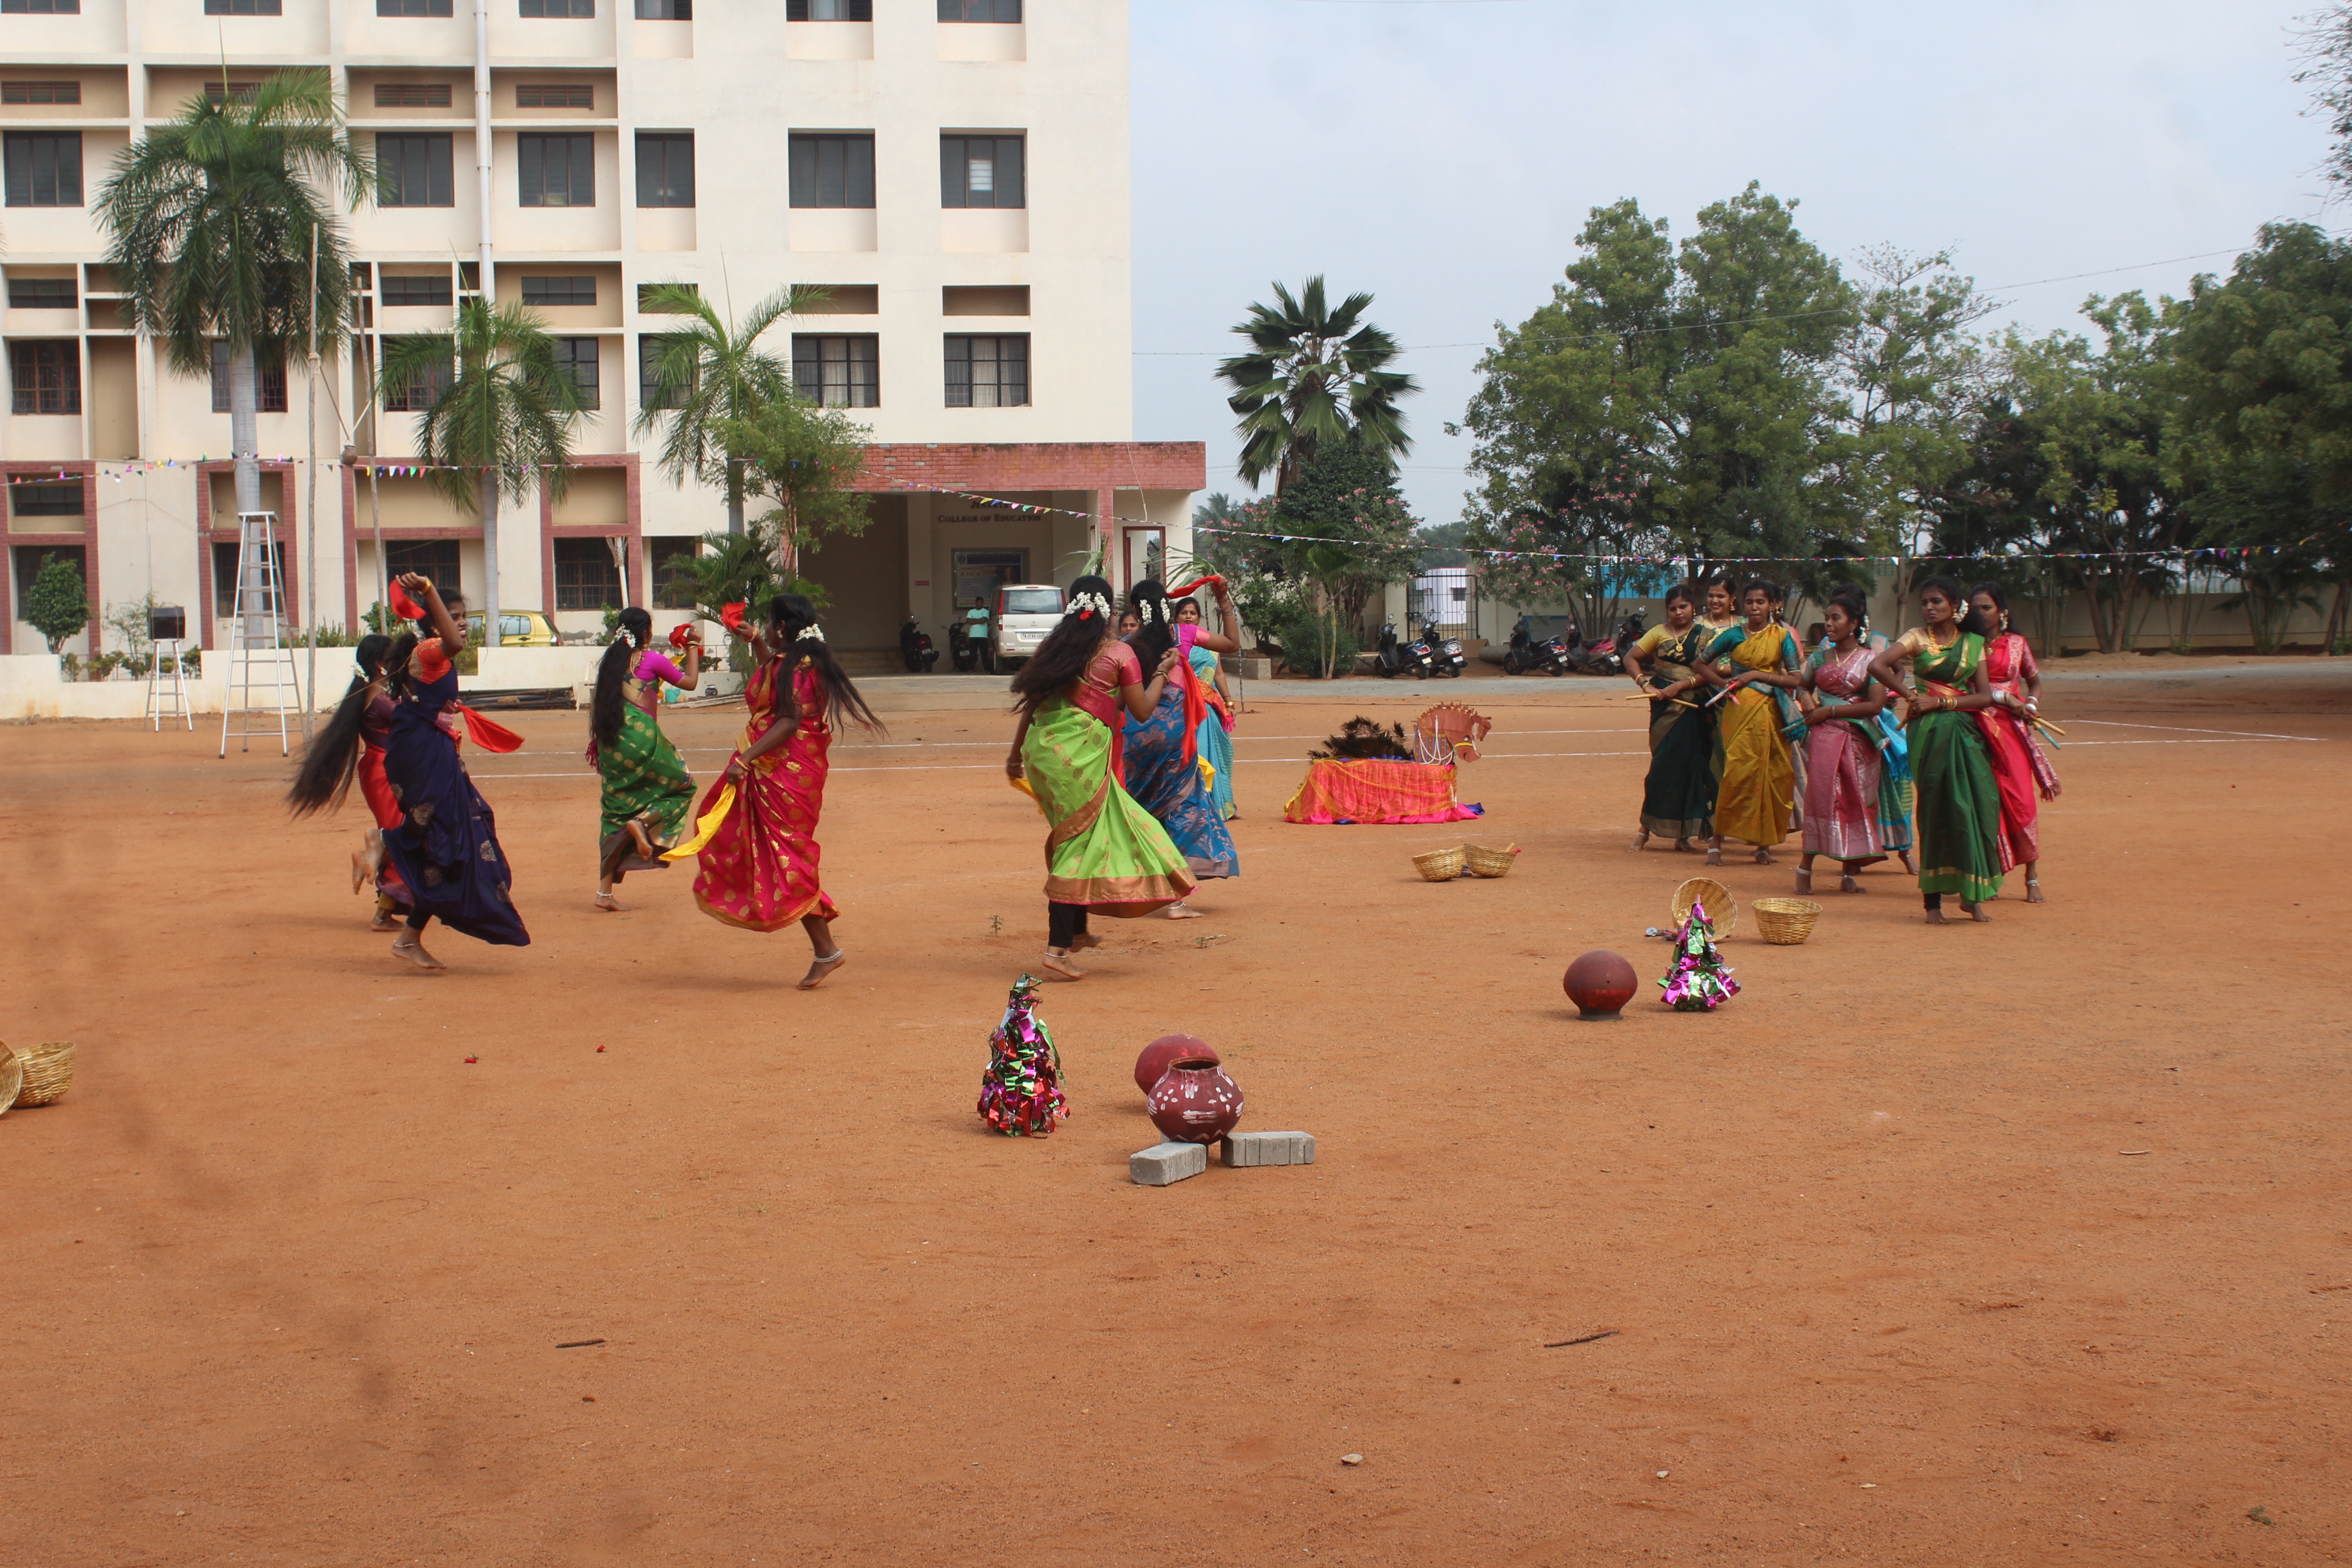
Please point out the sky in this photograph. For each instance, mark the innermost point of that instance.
(1444, 154)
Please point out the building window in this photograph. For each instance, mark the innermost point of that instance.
(414, 169)
(980, 10)
(43, 7)
(665, 169)
(44, 168)
(576, 357)
(665, 10)
(411, 8)
(585, 576)
(839, 372)
(435, 559)
(224, 578)
(558, 169)
(580, 290)
(40, 92)
(45, 376)
(832, 171)
(988, 372)
(673, 566)
(432, 288)
(412, 94)
(41, 294)
(46, 501)
(244, 8)
(31, 558)
(981, 172)
(565, 8)
(650, 348)
(418, 394)
(555, 95)
(269, 380)
(828, 10)
(218, 93)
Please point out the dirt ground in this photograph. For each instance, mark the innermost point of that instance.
(1988, 1244)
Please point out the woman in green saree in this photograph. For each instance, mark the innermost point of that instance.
(1104, 854)
(1678, 793)
(1959, 842)
(647, 791)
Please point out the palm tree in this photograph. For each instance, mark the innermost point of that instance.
(500, 421)
(709, 371)
(1313, 374)
(210, 220)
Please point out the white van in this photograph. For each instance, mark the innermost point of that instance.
(1025, 612)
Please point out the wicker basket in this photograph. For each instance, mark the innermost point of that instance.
(12, 1078)
(1485, 862)
(49, 1072)
(1440, 865)
(1722, 908)
(1786, 921)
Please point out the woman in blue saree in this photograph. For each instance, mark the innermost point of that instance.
(446, 845)
(1215, 736)
(1163, 765)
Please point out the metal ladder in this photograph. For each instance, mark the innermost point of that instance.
(167, 695)
(255, 635)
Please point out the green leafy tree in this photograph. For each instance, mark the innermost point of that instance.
(806, 459)
(499, 421)
(209, 220)
(1678, 393)
(711, 372)
(58, 602)
(1346, 535)
(1315, 375)
(1229, 538)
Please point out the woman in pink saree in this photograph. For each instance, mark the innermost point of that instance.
(2019, 766)
(1841, 746)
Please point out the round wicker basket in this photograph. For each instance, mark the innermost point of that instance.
(1440, 865)
(12, 1078)
(1722, 908)
(1786, 921)
(1485, 862)
(49, 1072)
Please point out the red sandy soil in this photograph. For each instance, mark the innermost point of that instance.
(286, 1275)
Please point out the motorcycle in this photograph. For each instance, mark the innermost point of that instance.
(915, 648)
(1446, 656)
(1607, 656)
(1530, 655)
(965, 647)
(1394, 658)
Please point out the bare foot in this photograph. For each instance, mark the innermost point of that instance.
(1764, 858)
(1908, 868)
(359, 871)
(2034, 891)
(1715, 854)
(636, 831)
(1805, 880)
(1976, 913)
(413, 952)
(607, 902)
(822, 968)
(1936, 918)
(1642, 841)
(1084, 940)
(1177, 911)
(384, 920)
(1681, 845)
(1059, 963)
(1846, 884)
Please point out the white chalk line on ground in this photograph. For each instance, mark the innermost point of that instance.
(2227, 738)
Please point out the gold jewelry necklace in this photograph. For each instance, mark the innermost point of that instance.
(1939, 647)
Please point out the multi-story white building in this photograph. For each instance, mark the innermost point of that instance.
(954, 171)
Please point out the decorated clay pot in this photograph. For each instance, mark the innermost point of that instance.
(1194, 1101)
(1600, 983)
(1157, 1057)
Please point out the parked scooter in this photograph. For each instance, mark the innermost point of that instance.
(1395, 657)
(1446, 656)
(915, 648)
(964, 648)
(1534, 655)
(1607, 656)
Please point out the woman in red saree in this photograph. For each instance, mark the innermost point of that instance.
(351, 746)
(756, 833)
(2019, 766)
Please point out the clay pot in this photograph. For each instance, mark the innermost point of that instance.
(1194, 1101)
(1600, 983)
(1157, 1057)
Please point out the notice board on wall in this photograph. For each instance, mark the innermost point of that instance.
(980, 572)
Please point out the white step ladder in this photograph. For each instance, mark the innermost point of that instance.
(254, 639)
(167, 695)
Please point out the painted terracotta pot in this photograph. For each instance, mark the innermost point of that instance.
(1600, 983)
(1157, 1057)
(1194, 1101)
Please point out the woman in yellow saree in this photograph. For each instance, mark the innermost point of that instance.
(1759, 785)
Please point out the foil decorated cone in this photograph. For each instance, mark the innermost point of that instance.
(1699, 981)
(1021, 1091)
(1194, 1101)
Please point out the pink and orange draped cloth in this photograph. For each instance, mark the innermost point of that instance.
(758, 863)
(1351, 790)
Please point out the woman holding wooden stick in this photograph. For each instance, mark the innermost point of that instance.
(1842, 740)
(1678, 792)
(1749, 666)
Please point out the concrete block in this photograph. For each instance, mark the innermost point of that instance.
(1164, 1164)
(1250, 666)
(1269, 1149)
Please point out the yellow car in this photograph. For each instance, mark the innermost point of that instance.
(516, 628)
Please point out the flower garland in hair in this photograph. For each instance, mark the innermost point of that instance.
(1148, 611)
(624, 635)
(1087, 605)
(810, 633)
